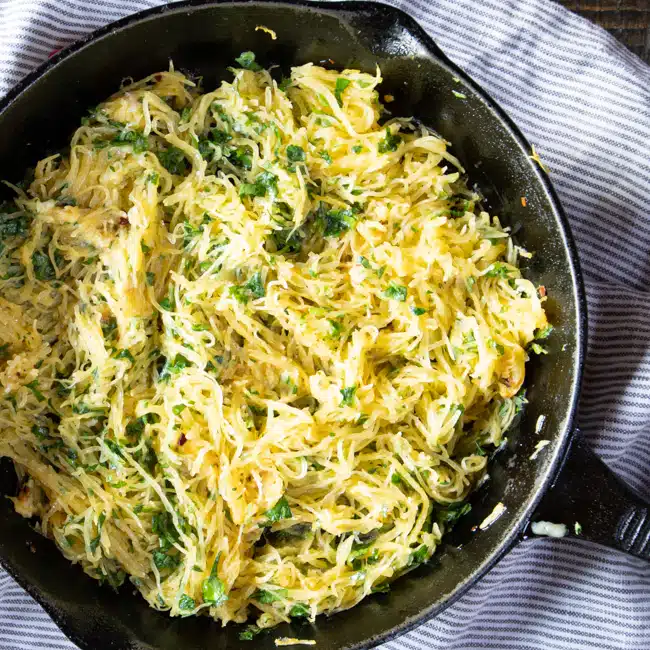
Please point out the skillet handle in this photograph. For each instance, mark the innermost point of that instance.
(608, 511)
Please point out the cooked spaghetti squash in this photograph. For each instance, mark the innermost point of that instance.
(256, 343)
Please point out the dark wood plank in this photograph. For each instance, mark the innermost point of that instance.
(626, 20)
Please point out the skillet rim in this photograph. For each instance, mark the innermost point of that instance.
(340, 8)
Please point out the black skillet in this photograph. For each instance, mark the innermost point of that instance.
(567, 483)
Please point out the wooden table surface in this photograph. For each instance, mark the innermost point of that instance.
(627, 20)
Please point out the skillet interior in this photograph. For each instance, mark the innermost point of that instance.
(38, 118)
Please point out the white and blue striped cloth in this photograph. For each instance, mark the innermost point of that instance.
(585, 102)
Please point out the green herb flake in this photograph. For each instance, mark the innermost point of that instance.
(164, 561)
(94, 542)
(454, 512)
(43, 267)
(173, 160)
(247, 61)
(12, 225)
(389, 143)
(214, 591)
(538, 349)
(295, 153)
(41, 431)
(254, 288)
(543, 333)
(325, 156)
(334, 222)
(300, 610)
(419, 556)
(268, 596)
(396, 292)
(341, 84)
(249, 632)
(280, 510)
(347, 396)
(335, 328)
(179, 363)
(33, 386)
(186, 602)
(459, 95)
(265, 183)
(498, 270)
(419, 311)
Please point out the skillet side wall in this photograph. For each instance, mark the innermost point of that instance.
(205, 40)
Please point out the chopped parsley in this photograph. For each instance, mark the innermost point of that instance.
(544, 333)
(94, 542)
(163, 560)
(33, 386)
(335, 328)
(12, 225)
(419, 556)
(173, 160)
(389, 143)
(299, 610)
(254, 288)
(265, 182)
(453, 513)
(136, 139)
(334, 222)
(247, 61)
(125, 354)
(295, 153)
(41, 431)
(280, 510)
(341, 84)
(214, 591)
(266, 596)
(347, 396)
(43, 267)
(186, 602)
(520, 400)
(396, 292)
(249, 632)
(538, 349)
(498, 270)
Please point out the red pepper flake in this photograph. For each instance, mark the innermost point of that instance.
(53, 52)
(542, 291)
(524, 202)
(124, 221)
(182, 440)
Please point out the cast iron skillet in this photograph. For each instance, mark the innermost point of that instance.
(39, 115)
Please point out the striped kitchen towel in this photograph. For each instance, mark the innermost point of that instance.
(585, 102)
